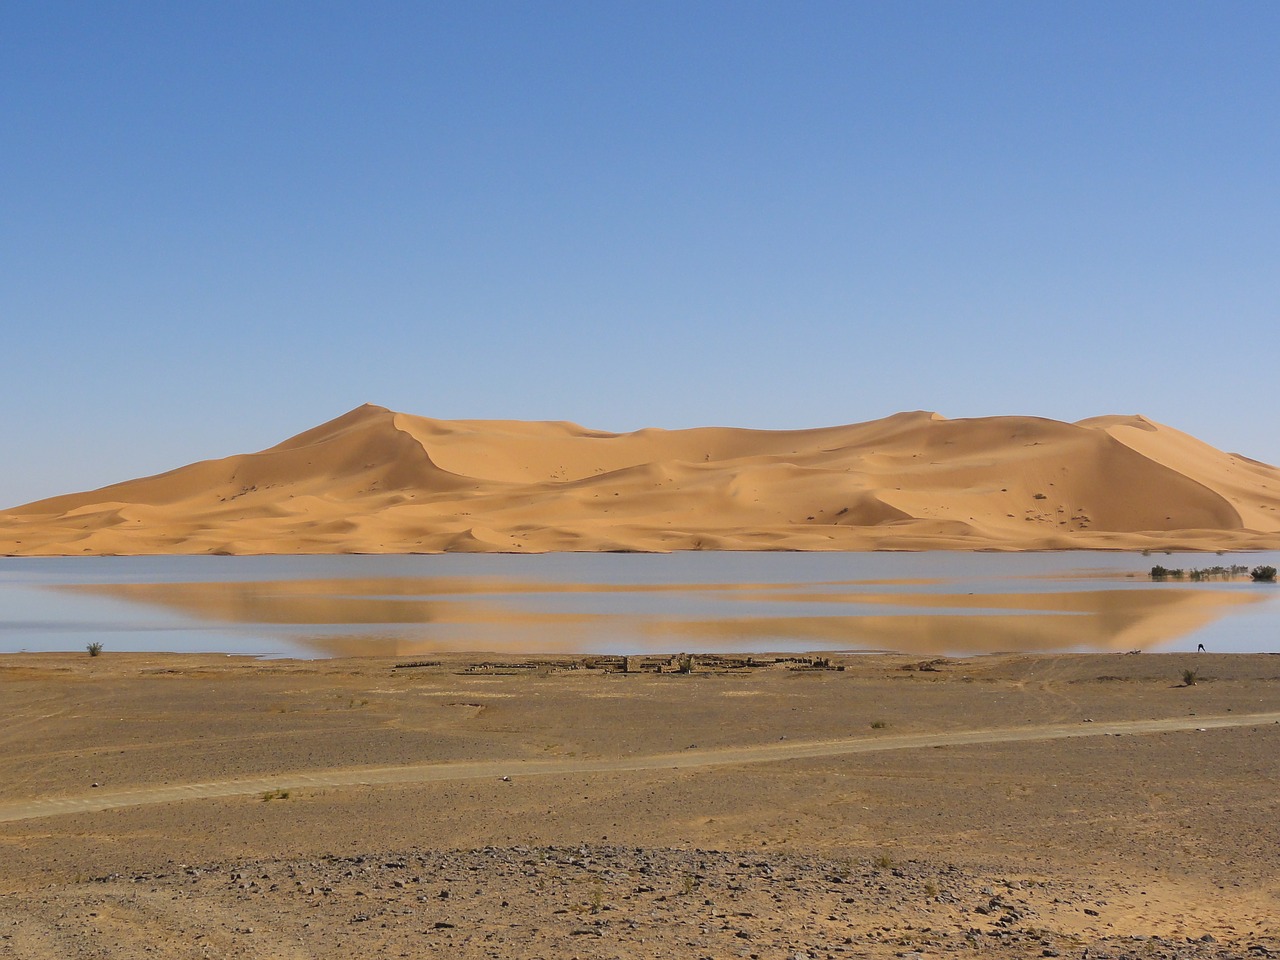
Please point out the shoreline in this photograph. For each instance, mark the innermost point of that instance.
(1144, 546)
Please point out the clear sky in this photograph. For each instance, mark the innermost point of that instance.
(224, 223)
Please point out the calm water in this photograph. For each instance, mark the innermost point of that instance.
(927, 603)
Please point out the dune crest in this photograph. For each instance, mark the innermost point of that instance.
(377, 481)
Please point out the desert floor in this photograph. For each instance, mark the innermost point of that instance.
(1008, 806)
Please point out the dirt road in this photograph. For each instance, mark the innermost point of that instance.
(691, 758)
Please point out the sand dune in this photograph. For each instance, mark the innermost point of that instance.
(376, 481)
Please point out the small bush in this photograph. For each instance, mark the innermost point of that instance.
(1189, 677)
(1218, 573)
(1202, 574)
(878, 724)
(95, 648)
(596, 899)
(1263, 574)
(275, 795)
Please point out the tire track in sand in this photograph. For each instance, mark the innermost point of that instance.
(684, 760)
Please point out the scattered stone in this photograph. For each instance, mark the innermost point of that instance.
(691, 904)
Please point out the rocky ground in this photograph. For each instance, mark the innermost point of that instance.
(623, 831)
(583, 902)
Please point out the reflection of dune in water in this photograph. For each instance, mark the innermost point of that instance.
(1138, 627)
(500, 615)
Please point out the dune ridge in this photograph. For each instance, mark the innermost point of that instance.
(377, 481)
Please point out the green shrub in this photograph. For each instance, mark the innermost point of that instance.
(1218, 573)
(1189, 677)
(95, 648)
(1202, 574)
(1263, 574)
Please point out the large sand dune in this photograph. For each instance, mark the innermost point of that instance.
(376, 481)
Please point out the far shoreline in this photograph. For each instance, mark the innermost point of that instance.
(997, 549)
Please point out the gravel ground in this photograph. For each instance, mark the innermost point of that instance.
(581, 902)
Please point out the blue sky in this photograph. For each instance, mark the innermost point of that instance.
(221, 224)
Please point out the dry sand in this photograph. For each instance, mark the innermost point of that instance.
(375, 481)
(1005, 806)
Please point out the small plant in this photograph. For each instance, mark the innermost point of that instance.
(1201, 574)
(275, 795)
(878, 724)
(1189, 677)
(930, 890)
(883, 862)
(1263, 574)
(688, 884)
(95, 648)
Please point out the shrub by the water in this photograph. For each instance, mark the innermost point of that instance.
(1201, 574)
(1218, 573)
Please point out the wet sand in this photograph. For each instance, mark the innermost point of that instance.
(1000, 805)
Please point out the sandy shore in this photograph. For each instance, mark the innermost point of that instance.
(377, 481)
(1004, 805)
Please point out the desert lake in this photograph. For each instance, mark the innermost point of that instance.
(934, 603)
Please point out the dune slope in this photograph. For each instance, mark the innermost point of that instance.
(376, 481)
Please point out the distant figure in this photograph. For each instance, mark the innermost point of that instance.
(1199, 648)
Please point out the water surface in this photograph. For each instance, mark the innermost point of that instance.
(942, 604)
